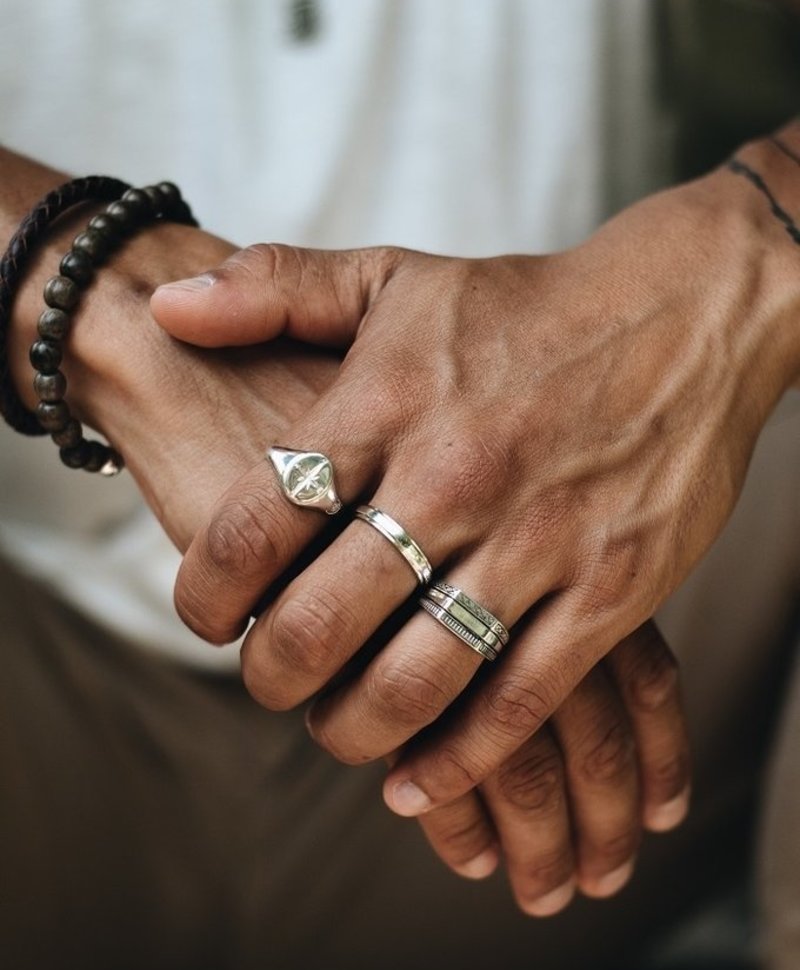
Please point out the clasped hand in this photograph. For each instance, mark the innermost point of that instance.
(529, 422)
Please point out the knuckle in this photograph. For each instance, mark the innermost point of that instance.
(453, 772)
(410, 693)
(615, 850)
(613, 574)
(461, 839)
(305, 630)
(192, 606)
(534, 783)
(653, 680)
(669, 776)
(245, 535)
(351, 753)
(255, 680)
(261, 260)
(378, 264)
(517, 709)
(469, 468)
(610, 757)
(546, 872)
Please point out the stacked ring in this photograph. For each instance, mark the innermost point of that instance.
(467, 619)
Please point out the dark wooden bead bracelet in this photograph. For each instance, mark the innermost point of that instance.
(135, 209)
(14, 263)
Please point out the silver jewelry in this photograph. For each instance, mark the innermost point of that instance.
(462, 632)
(464, 608)
(306, 478)
(399, 538)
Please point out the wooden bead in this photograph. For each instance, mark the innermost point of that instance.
(77, 265)
(53, 415)
(45, 356)
(77, 455)
(139, 202)
(94, 243)
(71, 434)
(170, 193)
(50, 387)
(98, 456)
(122, 215)
(103, 222)
(61, 293)
(156, 199)
(53, 325)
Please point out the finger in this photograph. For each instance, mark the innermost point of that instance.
(266, 290)
(598, 748)
(463, 836)
(531, 678)
(329, 612)
(421, 671)
(526, 798)
(255, 532)
(646, 674)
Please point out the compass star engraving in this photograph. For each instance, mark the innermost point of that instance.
(309, 478)
(306, 478)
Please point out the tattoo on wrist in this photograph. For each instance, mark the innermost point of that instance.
(781, 145)
(738, 167)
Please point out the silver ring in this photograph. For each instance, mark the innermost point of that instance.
(454, 626)
(466, 609)
(306, 479)
(399, 538)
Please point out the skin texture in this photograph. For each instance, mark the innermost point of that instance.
(567, 808)
(564, 435)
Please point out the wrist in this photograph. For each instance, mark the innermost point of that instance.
(761, 187)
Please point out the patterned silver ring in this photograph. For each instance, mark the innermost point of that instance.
(462, 632)
(399, 538)
(466, 609)
(306, 479)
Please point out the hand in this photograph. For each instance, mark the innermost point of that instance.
(189, 422)
(563, 435)
(567, 808)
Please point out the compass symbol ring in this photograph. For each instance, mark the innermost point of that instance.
(306, 479)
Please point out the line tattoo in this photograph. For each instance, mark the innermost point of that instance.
(783, 147)
(739, 168)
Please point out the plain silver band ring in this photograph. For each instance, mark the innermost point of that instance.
(463, 634)
(399, 538)
(448, 596)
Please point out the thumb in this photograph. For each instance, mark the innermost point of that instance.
(315, 295)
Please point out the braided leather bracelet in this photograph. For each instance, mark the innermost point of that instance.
(131, 209)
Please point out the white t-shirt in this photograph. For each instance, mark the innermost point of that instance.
(460, 126)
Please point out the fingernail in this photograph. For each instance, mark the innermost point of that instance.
(609, 884)
(192, 285)
(553, 902)
(662, 818)
(407, 799)
(481, 866)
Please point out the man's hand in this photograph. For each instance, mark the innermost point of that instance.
(563, 435)
(567, 808)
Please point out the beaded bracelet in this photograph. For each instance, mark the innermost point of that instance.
(105, 232)
(14, 262)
